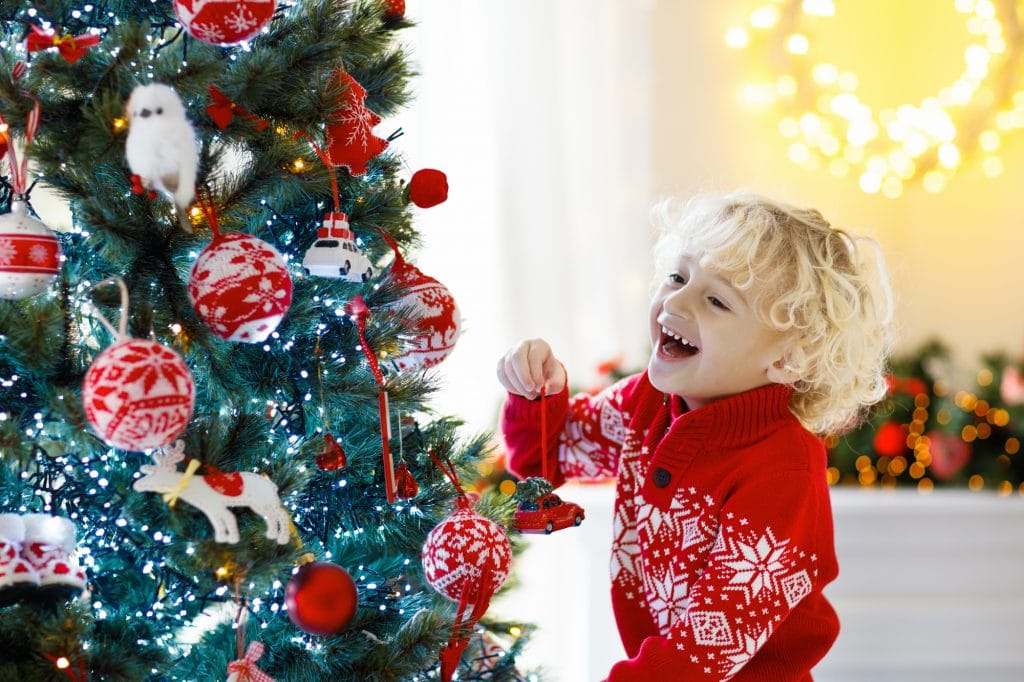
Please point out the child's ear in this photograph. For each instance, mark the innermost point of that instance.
(778, 373)
(783, 369)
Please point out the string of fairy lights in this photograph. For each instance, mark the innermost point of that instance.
(984, 421)
(828, 125)
(181, 603)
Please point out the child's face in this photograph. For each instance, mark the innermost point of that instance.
(729, 349)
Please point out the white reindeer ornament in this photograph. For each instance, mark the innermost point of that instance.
(244, 489)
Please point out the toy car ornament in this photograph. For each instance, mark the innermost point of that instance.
(541, 511)
(335, 254)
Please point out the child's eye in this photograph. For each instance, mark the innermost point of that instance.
(676, 278)
(718, 303)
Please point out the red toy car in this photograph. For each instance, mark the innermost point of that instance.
(548, 514)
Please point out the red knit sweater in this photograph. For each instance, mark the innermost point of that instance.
(723, 534)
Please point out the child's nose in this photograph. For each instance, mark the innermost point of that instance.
(679, 302)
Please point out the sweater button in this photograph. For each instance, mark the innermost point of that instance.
(662, 477)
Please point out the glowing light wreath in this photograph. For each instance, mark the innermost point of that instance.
(830, 126)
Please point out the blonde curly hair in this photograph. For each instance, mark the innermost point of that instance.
(803, 277)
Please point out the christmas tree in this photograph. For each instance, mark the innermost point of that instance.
(214, 430)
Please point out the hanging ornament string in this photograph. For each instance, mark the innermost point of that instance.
(327, 164)
(544, 436)
(122, 327)
(209, 210)
(359, 311)
(449, 471)
(19, 171)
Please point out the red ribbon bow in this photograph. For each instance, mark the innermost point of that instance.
(72, 48)
(223, 110)
(246, 666)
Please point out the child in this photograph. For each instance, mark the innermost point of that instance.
(768, 327)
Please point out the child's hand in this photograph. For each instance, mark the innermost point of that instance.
(529, 365)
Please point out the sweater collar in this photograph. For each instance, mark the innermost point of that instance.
(674, 436)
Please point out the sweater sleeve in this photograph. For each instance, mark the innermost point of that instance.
(584, 433)
(764, 562)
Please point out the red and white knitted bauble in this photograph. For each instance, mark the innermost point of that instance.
(434, 314)
(224, 22)
(240, 287)
(461, 549)
(29, 254)
(138, 395)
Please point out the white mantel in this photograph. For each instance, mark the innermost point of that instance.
(931, 588)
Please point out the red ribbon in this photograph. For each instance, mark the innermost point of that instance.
(327, 162)
(210, 211)
(19, 172)
(358, 309)
(72, 48)
(246, 666)
(223, 111)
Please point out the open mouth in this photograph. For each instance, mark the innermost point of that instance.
(676, 346)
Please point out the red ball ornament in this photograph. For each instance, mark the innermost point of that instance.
(428, 187)
(240, 287)
(321, 598)
(435, 314)
(224, 22)
(461, 549)
(29, 254)
(890, 440)
(138, 395)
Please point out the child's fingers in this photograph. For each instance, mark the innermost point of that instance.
(518, 366)
(537, 356)
(505, 380)
(554, 375)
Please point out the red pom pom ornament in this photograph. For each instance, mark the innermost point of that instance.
(428, 187)
(224, 22)
(240, 287)
(321, 597)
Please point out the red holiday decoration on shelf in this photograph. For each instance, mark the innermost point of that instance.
(350, 139)
(239, 286)
(321, 597)
(435, 314)
(224, 22)
(138, 394)
(949, 454)
(71, 48)
(428, 187)
(890, 440)
(466, 558)
(332, 457)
